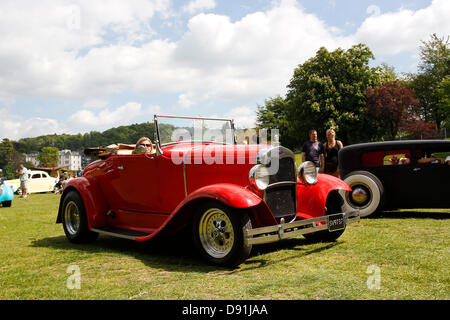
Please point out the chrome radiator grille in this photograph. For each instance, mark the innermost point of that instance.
(281, 195)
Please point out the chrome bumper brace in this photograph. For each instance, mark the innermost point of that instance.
(294, 229)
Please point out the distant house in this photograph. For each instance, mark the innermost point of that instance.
(71, 158)
(31, 157)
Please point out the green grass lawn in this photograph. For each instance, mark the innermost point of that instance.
(409, 248)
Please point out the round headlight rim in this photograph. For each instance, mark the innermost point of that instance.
(253, 180)
(301, 173)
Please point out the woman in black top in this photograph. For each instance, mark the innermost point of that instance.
(331, 148)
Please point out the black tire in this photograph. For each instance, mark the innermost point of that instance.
(369, 197)
(74, 219)
(6, 203)
(218, 233)
(333, 205)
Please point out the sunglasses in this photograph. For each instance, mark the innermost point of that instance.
(148, 145)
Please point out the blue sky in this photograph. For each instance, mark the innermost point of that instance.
(73, 66)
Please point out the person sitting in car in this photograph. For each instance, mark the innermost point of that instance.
(430, 159)
(144, 145)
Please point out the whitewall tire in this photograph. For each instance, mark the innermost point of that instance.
(367, 193)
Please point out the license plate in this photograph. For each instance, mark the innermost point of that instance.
(336, 222)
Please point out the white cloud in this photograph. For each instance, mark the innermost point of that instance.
(91, 50)
(244, 117)
(199, 5)
(15, 127)
(396, 32)
(106, 118)
(86, 50)
(373, 10)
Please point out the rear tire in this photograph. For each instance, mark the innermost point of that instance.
(6, 203)
(74, 219)
(218, 232)
(367, 193)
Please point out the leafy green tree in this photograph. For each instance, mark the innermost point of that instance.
(328, 90)
(273, 115)
(443, 94)
(6, 152)
(429, 84)
(48, 157)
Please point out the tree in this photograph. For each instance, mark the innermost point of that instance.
(48, 157)
(328, 90)
(6, 152)
(273, 115)
(386, 73)
(443, 94)
(434, 69)
(416, 128)
(390, 104)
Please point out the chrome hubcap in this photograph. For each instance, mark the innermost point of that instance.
(72, 218)
(359, 195)
(216, 233)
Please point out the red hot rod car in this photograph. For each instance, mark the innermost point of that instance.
(231, 195)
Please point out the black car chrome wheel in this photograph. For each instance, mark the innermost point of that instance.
(367, 193)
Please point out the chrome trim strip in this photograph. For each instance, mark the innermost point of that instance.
(282, 183)
(118, 235)
(286, 230)
(184, 169)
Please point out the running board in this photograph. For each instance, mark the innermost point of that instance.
(120, 232)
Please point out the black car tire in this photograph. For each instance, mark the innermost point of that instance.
(218, 234)
(6, 203)
(74, 219)
(333, 205)
(369, 184)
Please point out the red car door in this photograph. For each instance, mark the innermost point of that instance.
(147, 183)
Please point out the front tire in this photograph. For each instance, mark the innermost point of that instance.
(218, 232)
(74, 219)
(367, 193)
(333, 205)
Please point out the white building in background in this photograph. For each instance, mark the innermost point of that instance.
(71, 158)
(31, 157)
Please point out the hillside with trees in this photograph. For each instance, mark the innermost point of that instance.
(123, 134)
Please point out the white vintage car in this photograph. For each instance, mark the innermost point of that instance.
(13, 184)
(40, 181)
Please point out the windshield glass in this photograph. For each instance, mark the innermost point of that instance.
(184, 129)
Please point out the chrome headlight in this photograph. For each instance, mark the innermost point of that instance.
(259, 176)
(307, 172)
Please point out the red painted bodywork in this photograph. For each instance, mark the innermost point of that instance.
(311, 199)
(150, 193)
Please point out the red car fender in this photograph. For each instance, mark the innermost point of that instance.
(232, 195)
(94, 202)
(311, 199)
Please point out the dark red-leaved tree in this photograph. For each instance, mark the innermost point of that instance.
(391, 105)
(417, 128)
